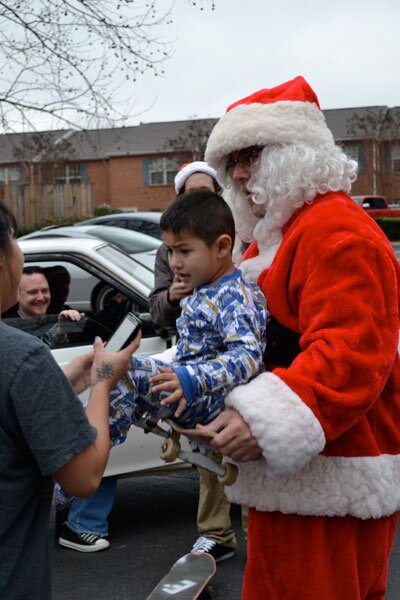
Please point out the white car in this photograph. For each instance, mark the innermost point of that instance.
(96, 260)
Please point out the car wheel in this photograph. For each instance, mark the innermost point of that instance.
(101, 295)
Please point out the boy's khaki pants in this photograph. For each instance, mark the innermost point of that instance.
(213, 514)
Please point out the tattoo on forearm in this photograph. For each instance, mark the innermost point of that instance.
(103, 371)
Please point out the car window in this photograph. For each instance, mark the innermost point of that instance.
(147, 227)
(113, 222)
(375, 202)
(81, 287)
(126, 240)
(140, 272)
(61, 332)
(102, 305)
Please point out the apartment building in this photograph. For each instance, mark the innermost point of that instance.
(134, 167)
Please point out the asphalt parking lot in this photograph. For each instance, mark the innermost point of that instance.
(151, 525)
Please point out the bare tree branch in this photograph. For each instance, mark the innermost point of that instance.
(70, 58)
(192, 138)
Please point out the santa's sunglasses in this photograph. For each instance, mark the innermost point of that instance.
(244, 159)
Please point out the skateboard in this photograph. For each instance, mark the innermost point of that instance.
(200, 457)
(186, 579)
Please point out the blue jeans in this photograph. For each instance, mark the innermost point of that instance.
(90, 515)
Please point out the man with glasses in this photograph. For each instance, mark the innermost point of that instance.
(317, 436)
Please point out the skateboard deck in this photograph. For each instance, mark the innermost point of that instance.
(186, 579)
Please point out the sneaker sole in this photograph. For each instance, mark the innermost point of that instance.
(81, 548)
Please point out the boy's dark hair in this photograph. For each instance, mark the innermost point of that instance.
(201, 212)
(8, 228)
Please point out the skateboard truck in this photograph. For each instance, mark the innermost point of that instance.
(171, 450)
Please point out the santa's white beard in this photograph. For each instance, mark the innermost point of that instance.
(252, 267)
(275, 196)
(245, 221)
(267, 233)
(288, 176)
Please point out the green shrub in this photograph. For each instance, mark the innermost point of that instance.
(104, 209)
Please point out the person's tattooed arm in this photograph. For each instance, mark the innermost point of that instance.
(102, 372)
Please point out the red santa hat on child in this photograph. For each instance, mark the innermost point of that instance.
(284, 114)
(188, 169)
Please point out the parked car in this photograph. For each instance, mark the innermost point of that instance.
(377, 206)
(145, 222)
(141, 247)
(101, 262)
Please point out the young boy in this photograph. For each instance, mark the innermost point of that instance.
(221, 327)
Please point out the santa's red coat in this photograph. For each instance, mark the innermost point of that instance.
(329, 425)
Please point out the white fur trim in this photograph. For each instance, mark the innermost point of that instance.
(292, 477)
(287, 431)
(260, 124)
(363, 487)
(253, 267)
(194, 167)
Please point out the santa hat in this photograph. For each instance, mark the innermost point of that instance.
(188, 169)
(285, 114)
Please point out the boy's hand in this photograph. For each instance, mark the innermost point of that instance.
(168, 381)
(178, 290)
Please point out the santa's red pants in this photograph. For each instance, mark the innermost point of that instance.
(293, 557)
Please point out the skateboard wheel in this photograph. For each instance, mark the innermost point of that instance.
(230, 474)
(170, 450)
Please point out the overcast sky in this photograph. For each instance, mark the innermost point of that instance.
(348, 50)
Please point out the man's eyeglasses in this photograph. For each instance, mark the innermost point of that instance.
(244, 159)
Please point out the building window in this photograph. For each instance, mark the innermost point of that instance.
(355, 152)
(395, 156)
(160, 171)
(68, 173)
(351, 151)
(9, 174)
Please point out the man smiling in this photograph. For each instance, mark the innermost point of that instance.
(33, 293)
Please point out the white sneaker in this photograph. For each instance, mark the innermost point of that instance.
(217, 551)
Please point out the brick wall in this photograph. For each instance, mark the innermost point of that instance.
(387, 184)
(364, 182)
(119, 183)
(390, 182)
(99, 177)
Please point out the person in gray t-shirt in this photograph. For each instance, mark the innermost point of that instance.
(44, 434)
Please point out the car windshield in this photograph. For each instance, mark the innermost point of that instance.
(129, 241)
(127, 264)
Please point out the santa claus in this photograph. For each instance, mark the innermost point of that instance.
(317, 436)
